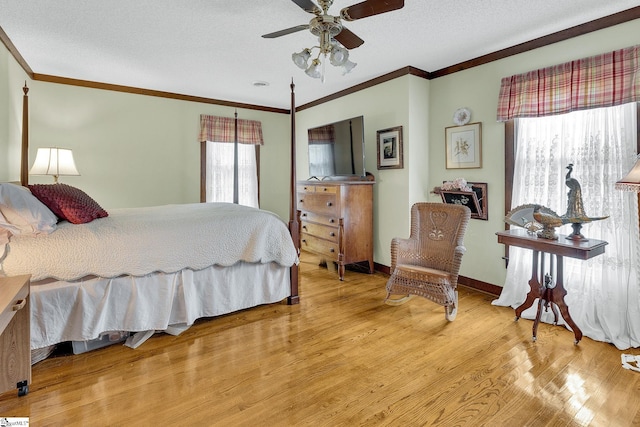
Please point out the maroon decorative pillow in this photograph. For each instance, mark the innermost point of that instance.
(68, 202)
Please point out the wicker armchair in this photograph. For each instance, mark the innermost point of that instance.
(427, 263)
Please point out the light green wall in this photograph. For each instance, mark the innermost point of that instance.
(384, 106)
(477, 88)
(12, 79)
(135, 150)
(416, 155)
(425, 109)
(4, 115)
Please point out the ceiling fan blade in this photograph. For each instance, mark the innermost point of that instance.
(348, 39)
(308, 6)
(370, 8)
(286, 31)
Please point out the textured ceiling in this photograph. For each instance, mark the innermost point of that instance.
(214, 48)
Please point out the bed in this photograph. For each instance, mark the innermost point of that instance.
(141, 270)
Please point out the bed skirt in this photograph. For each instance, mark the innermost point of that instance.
(83, 309)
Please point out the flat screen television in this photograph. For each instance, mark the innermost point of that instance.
(337, 149)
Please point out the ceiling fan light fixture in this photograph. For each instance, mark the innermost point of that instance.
(301, 58)
(333, 37)
(314, 69)
(347, 67)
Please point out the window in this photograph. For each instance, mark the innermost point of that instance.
(219, 137)
(219, 173)
(604, 292)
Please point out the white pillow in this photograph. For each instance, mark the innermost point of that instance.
(4, 236)
(23, 213)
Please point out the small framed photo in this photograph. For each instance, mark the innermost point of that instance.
(476, 199)
(390, 148)
(464, 146)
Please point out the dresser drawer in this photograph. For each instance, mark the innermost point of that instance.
(322, 231)
(325, 204)
(320, 219)
(320, 246)
(327, 189)
(306, 188)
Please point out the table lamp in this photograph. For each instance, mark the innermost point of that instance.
(631, 182)
(54, 161)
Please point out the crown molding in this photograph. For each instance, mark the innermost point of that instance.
(14, 52)
(408, 70)
(569, 33)
(595, 25)
(149, 92)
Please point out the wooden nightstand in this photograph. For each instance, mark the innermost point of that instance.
(15, 334)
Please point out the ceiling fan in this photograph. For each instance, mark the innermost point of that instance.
(334, 38)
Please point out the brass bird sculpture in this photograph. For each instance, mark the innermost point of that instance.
(543, 221)
(576, 215)
(549, 220)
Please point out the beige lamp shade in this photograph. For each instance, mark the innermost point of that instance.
(631, 182)
(55, 162)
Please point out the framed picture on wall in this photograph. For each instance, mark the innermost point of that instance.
(476, 199)
(390, 148)
(463, 146)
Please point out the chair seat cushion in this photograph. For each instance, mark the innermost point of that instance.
(438, 276)
(430, 283)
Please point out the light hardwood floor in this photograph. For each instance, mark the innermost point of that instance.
(342, 358)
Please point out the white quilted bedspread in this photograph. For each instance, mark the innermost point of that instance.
(139, 241)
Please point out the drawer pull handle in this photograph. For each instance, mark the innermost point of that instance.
(304, 241)
(329, 204)
(324, 189)
(332, 220)
(332, 250)
(19, 304)
(332, 234)
(301, 200)
(304, 227)
(304, 214)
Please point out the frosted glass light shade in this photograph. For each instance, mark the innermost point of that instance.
(347, 67)
(631, 182)
(339, 55)
(314, 69)
(55, 162)
(301, 58)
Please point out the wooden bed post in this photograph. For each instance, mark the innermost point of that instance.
(24, 156)
(235, 158)
(294, 214)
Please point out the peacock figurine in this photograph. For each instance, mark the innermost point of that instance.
(543, 221)
(576, 215)
(575, 207)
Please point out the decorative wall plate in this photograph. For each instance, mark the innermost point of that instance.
(462, 116)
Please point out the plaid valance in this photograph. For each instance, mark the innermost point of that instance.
(599, 81)
(322, 135)
(222, 129)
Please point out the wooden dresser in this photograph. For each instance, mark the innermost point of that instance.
(15, 334)
(337, 221)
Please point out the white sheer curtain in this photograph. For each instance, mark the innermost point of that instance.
(220, 173)
(603, 293)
